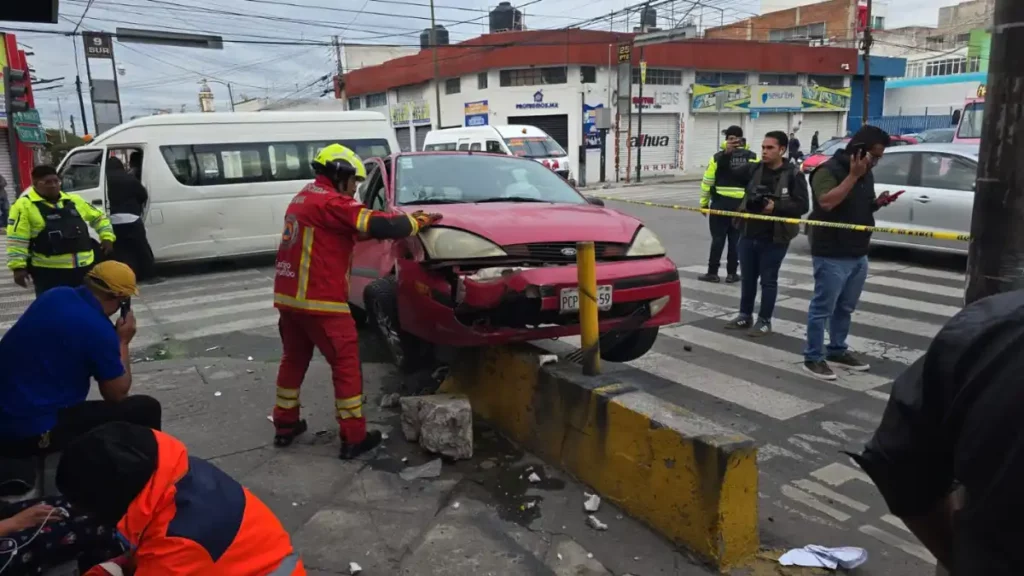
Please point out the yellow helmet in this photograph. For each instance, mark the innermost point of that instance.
(338, 161)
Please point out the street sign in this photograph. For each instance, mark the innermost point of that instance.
(625, 53)
(643, 72)
(29, 127)
(97, 45)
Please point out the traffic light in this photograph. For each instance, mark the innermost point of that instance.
(35, 11)
(16, 90)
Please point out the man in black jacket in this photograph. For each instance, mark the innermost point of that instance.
(843, 192)
(774, 187)
(128, 198)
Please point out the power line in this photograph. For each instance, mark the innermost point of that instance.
(84, 12)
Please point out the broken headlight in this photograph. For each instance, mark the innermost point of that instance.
(645, 243)
(452, 244)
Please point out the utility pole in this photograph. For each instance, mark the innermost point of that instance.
(341, 68)
(73, 125)
(81, 104)
(60, 117)
(997, 238)
(867, 65)
(437, 68)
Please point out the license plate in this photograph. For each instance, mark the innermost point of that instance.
(569, 299)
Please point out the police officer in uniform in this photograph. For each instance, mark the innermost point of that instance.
(48, 234)
(724, 192)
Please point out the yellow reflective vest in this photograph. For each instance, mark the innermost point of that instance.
(26, 222)
(728, 189)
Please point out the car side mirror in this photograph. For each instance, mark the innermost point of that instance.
(595, 201)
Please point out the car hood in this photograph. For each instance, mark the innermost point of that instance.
(506, 223)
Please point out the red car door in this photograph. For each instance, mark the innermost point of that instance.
(371, 258)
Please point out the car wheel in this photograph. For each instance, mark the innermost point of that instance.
(381, 298)
(631, 346)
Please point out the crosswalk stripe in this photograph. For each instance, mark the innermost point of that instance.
(266, 292)
(917, 286)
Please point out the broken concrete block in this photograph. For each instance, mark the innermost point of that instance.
(591, 502)
(390, 400)
(596, 524)
(442, 424)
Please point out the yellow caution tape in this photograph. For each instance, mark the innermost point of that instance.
(857, 227)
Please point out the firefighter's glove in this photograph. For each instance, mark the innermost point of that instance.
(426, 220)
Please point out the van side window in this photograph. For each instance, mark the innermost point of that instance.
(213, 164)
(494, 147)
(446, 147)
(474, 146)
(82, 171)
(464, 146)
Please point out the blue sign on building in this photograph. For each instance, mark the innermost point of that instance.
(591, 135)
(538, 102)
(476, 113)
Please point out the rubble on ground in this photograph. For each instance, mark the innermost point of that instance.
(442, 424)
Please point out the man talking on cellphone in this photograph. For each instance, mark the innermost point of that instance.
(843, 191)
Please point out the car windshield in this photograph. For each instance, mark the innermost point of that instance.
(829, 148)
(938, 135)
(469, 178)
(535, 147)
(970, 120)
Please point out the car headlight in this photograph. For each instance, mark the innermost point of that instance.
(646, 243)
(452, 244)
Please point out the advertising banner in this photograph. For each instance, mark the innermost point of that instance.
(476, 113)
(591, 135)
(826, 99)
(734, 97)
(411, 113)
(776, 98)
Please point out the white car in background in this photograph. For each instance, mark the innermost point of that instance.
(513, 140)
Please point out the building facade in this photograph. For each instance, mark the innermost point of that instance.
(553, 79)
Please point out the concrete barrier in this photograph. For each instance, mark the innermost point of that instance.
(695, 484)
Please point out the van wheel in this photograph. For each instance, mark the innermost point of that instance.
(408, 352)
(631, 346)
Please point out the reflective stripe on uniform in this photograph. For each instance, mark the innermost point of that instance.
(415, 225)
(363, 220)
(730, 192)
(287, 566)
(311, 305)
(307, 255)
(351, 407)
(287, 398)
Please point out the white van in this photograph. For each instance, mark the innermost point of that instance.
(518, 140)
(219, 184)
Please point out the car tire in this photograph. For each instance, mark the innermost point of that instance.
(632, 346)
(407, 352)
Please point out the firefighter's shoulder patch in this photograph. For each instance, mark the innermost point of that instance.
(291, 231)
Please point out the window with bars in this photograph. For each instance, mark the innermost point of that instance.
(826, 81)
(778, 79)
(533, 76)
(355, 103)
(720, 78)
(950, 66)
(375, 100)
(798, 33)
(481, 81)
(588, 75)
(453, 86)
(660, 77)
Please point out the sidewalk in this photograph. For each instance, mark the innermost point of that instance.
(645, 180)
(478, 517)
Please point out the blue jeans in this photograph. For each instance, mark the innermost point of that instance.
(759, 259)
(838, 283)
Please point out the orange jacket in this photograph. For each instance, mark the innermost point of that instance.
(192, 519)
(314, 259)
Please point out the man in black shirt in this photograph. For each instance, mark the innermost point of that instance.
(954, 417)
(774, 187)
(128, 199)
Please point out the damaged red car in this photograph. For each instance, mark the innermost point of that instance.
(501, 266)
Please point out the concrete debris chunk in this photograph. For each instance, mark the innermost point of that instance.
(591, 502)
(442, 424)
(390, 400)
(596, 524)
(354, 568)
(431, 469)
(533, 478)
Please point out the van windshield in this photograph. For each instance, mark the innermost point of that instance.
(970, 121)
(535, 147)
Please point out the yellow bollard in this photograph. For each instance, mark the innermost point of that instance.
(590, 334)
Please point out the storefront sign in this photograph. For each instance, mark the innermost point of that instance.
(625, 53)
(734, 97)
(982, 90)
(831, 99)
(538, 102)
(411, 113)
(776, 98)
(648, 141)
(656, 101)
(476, 113)
(591, 135)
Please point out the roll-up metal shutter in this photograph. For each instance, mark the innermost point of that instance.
(403, 136)
(766, 123)
(556, 126)
(6, 168)
(827, 125)
(705, 138)
(421, 137)
(660, 143)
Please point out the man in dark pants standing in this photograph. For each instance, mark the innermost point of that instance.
(774, 187)
(128, 197)
(724, 192)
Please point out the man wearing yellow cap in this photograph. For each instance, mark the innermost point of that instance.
(63, 341)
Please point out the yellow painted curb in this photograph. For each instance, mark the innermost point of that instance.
(696, 486)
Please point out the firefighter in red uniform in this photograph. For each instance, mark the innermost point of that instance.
(321, 226)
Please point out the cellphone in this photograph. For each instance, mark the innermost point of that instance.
(896, 195)
(126, 307)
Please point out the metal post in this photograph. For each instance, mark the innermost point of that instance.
(12, 134)
(231, 96)
(81, 103)
(590, 334)
(60, 116)
(867, 66)
(604, 139)
(437, 72)
(640, 117)
(88, 77)
(997, 238)
(117, 91)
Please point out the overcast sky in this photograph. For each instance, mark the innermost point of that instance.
(158, 77)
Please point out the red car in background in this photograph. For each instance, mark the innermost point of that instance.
(501, 265)
(829, 148)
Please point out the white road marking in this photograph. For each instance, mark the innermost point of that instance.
(878, 394)
(836, 474)
(942, 310)
(933, 273)
(797, 495)
(908, 547)
(840, 429)
(894, 282)
(770, 451)
(894, 521)
(819, 490)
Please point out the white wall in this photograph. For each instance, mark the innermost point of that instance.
(361, 56)
(928, 99)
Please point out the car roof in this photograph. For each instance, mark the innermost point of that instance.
(970, 150)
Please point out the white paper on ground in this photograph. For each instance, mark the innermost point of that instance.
(814, 556)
